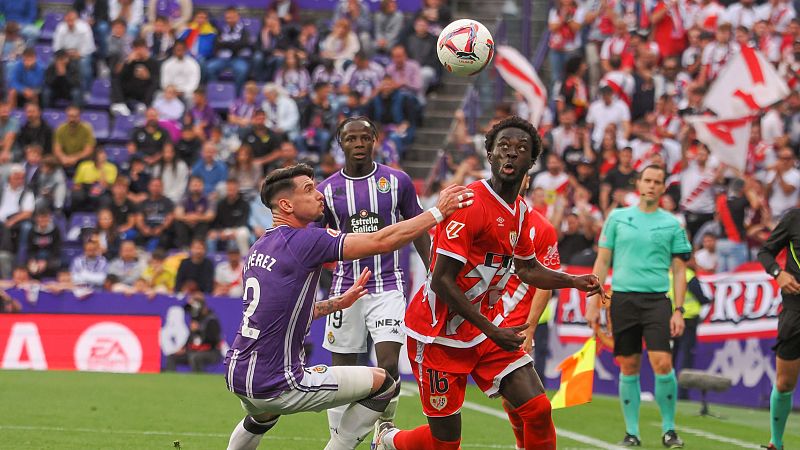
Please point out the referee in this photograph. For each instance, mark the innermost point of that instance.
(787, 348)
(642, 242)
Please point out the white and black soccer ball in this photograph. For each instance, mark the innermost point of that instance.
(465, 47)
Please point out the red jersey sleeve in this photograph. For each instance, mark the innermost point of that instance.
(546, 243)
(457, 233)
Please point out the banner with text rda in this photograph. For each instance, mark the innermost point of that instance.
(100, 343)
(744, 304)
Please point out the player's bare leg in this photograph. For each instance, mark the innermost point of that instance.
(248, 433)
(388, 353)
(523, 390)
(780, 404)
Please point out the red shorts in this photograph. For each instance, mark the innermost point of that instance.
(441, 372)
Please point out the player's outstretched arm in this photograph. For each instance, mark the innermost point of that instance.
(601, 266)
(361, 245)
(534, 273)
(345, 300)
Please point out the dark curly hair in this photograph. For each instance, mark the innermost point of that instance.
(280, 180)
(344, 122)
(516, 122)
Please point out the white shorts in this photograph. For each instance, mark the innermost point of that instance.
(322, 387)
(380, 315)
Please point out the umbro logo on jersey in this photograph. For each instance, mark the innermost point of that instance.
(453, 228)
(500, 221)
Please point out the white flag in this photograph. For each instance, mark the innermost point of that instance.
(727, 139)
(746, 85)
(520, 75)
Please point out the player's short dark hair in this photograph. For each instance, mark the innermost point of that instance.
(280, 180)
(516, 122)
(654, 167)
(355, 119)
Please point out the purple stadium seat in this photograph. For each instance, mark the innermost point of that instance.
(99, 122)
(123, 126)
(44, 53)
(78, 222)
(220, 95)
(54, 117)
(19, 114)
(100, 94)
(70, 251)
(51, 20)
(253, 27)
(118, 155)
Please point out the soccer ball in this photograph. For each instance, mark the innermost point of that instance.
(465, 47)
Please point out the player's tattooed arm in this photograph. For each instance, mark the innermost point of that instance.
(391, 238)
(346, 300)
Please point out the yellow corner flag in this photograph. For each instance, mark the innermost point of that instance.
(577, 376)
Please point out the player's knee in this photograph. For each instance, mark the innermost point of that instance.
(379, 399)
(785, 383)
(259, 427)
(662, 366)
(390, 367)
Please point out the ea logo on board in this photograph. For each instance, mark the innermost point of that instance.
(108, 347)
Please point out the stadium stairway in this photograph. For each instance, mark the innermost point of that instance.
(432, 136)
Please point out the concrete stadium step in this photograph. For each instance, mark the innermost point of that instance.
(417, 170)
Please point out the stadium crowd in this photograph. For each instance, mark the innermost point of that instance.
(161, 195)
(626, 73)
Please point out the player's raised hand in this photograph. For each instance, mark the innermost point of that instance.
(589, 284)
(357, 291)
(788, 283)
(454, 197)
(509, 339)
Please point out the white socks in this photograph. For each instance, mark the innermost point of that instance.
(355, 424)
(242, 439)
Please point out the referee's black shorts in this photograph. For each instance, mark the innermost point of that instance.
(637, 315)
(787, 346)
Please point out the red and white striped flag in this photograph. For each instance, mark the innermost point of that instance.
(520, 75)
(746, 85)
(727, 139)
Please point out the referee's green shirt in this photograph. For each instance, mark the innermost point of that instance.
(643, 245)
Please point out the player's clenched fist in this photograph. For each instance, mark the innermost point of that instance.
(589, 284)
(453, 198)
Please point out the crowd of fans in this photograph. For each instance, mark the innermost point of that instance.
(170, 204)
(625, 75)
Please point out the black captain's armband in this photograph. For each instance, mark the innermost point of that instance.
(683, 256)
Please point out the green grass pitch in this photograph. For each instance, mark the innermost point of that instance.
(71, 410)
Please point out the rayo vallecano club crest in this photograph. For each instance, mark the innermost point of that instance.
(383, 185)
(438, 402)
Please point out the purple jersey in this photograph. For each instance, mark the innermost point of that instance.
(280, 281)
(365, 205)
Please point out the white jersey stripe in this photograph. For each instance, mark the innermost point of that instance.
(287, 342)
(337, 288)
(351, 211)
(251, 367)
(376, 260)
(231, 367)
(394, 183)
